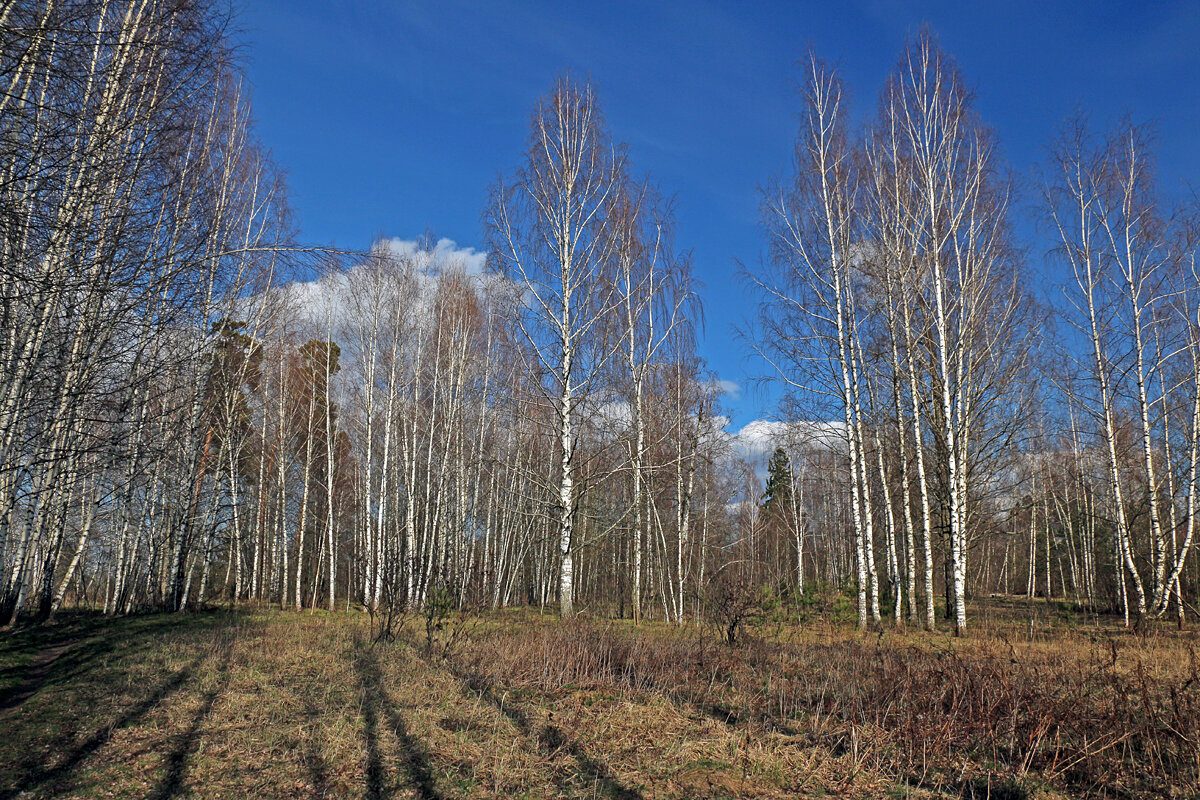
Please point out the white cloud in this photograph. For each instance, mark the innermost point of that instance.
(615, 412)
(758, 439)
(446, 253)
(328, 299)
(319, 302)
(729, 388)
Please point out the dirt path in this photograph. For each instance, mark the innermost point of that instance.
(36, 672)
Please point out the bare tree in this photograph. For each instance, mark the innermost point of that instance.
(548, 235)
(1134, 299)
(810, 325)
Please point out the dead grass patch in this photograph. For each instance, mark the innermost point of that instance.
(1094, 715)
(268, 704)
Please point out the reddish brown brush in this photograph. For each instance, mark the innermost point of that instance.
(1095, 717)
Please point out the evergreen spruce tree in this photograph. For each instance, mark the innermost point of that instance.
(779, 483)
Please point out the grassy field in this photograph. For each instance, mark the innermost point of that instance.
(262, 704)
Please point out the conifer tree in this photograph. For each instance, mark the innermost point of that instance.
(779, 483)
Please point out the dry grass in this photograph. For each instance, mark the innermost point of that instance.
(264, 704)
(1093, 714)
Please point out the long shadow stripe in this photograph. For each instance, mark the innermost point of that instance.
(549, 737)
(177, 762)
(40, 776)
(376, 700)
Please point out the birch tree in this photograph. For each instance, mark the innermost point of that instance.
(547, 226)
(1133, 298)
(810, 333)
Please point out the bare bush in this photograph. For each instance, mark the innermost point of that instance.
(732, 600)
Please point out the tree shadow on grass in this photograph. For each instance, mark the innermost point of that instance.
(376, 701)
(552, 740)
(44, 657)
(70, 666)
(735, 718)
(42, 777)
(171, 784)
(988, 787)
(24, 682)
(312, 757)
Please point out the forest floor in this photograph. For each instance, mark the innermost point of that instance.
(254, 703)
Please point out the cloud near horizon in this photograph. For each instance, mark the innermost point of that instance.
(758, 438)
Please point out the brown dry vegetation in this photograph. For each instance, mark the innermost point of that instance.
(263, 704)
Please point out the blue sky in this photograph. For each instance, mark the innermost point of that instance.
(393, 117)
